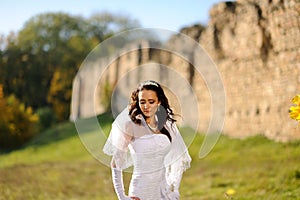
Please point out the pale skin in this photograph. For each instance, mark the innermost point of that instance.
(148, 103)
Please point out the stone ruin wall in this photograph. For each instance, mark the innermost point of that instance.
(256, 44)
(256, 47)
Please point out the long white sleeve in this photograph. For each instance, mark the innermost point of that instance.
(117, 179)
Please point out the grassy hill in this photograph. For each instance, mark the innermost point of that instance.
(56, 165)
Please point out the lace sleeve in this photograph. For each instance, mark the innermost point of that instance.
(177, 161)
(117, 143)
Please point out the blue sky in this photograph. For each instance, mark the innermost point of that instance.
(166, 14)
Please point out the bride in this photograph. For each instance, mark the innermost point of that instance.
(145, 135)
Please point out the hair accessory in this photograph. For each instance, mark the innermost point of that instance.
(150, 83)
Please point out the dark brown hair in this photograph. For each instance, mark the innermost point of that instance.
(163, 114)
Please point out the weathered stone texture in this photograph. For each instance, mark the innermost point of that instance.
(256, 47)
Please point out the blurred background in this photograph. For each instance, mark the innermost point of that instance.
(254, 43)
(44, 43)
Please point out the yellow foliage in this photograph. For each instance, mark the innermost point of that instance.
(60, 94)
(1, 91)
(296, 100)
(17, 123)
(295, 110)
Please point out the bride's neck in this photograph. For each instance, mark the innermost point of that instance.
(151, 120)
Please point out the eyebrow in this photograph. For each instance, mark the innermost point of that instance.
(147, 99)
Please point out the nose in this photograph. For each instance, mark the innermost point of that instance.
(146, 105)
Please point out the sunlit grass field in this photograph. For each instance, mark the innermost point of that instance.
(56, 165)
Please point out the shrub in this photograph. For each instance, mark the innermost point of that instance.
(46, 117)
(17, 123)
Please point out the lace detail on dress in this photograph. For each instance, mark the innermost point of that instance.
(176, 162)
(167, 194)
(119, 138)
(121, 157)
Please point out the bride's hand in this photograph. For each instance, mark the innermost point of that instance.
(135, 198)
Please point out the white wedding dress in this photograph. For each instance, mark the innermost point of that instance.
(158, 164)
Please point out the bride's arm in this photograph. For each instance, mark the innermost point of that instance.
(120, 136)
(117, 179)
(118, 159)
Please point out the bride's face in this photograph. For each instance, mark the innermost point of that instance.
(148, 102)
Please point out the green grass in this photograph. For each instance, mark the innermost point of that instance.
(56, 165)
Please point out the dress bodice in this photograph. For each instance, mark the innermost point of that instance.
(148, 153)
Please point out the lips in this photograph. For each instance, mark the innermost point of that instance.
(146, 112)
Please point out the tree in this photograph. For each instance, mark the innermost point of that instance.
(17, 122)
(51, 41)
(104, 25)
(40, 62)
